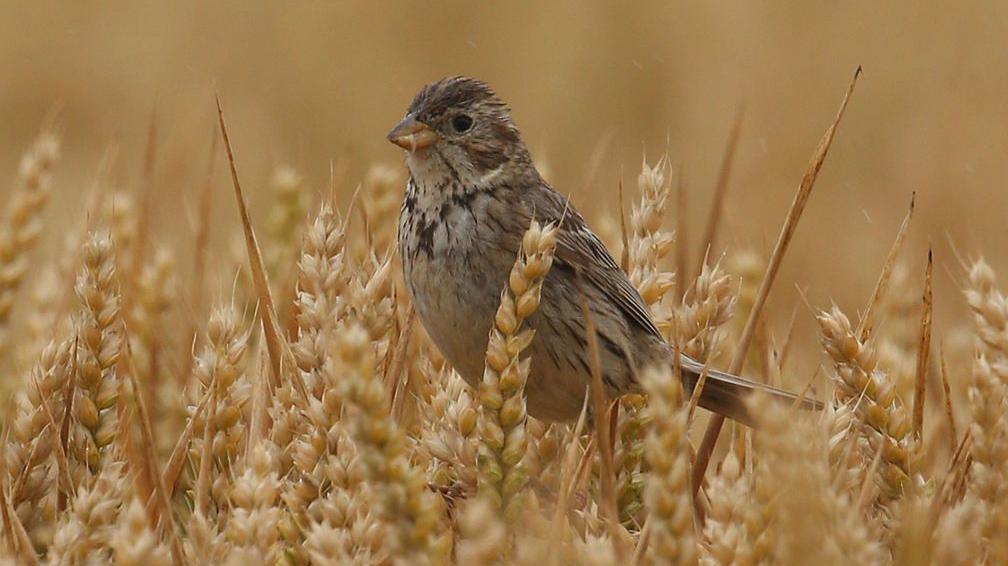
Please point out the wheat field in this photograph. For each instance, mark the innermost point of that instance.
(211, 356)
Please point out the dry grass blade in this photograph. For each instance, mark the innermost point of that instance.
(202, 238)
(365, 221)
(12, 526)
(720, 191)
(787, 232)
(624, 236)
(160, 495)
(62, 464)
(129, 450)
(201, 247)
(146, 199)
(642, 543)
(267, 311)
(398, 364)
(596, 158)
(803, 394)
(128, 445)
(610, 511)
(959, 463)
(947, 389)
(259, 419)
(694, 399)
(867, 318)
(201, 492)
(67, 416)
(867, 486)
(923, 351)
(682, 237)
(788, 341)
(568, 467)
(176, 461)
(584, 467)
(19, 537)
(614, 417)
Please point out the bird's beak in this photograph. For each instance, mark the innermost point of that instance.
(412, 134)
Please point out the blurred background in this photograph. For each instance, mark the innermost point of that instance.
(312, 83)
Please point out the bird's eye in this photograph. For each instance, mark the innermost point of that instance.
(462, 123)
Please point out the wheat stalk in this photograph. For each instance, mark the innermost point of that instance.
(99, 345)
(219, 434)
(33, 436)
(646, 244)
(860, 382)
(23, 221)
(989, 401)
(811, 520)
(403, 503)
(724, 530)
(84, 531)
(252, 527)
(673, 538)
(133, 543)
(503, 442)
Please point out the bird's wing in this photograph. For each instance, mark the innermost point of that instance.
(580, 249)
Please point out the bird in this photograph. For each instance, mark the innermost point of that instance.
(472, 192)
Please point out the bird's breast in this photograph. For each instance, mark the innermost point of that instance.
(455, 269)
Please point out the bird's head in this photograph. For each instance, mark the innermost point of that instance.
(460, 124)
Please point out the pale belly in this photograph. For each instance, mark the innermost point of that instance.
(457, 310)
(456, 296)
(456, 268)
(455, 271)
(453, 301)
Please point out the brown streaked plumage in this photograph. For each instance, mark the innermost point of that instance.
(472, 192)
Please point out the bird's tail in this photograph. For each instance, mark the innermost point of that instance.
(728, 395)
